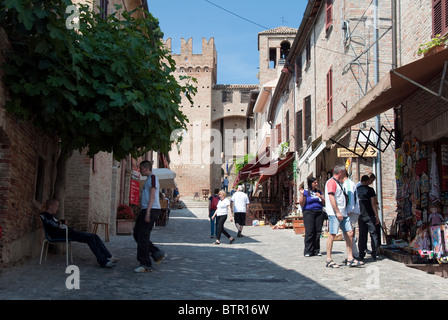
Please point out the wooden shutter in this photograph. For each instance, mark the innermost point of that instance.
(330, 97)
(328, 13)
(439, 17)
(298, 66)
(299, 131)
(307, 108)
(278, 129)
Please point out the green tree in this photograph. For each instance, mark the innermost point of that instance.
(107, 86)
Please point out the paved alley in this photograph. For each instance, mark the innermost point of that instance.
(266, 264)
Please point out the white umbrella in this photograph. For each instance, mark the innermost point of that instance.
(166, 177)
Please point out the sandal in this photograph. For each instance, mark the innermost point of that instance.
(353, 263)
(332, 264)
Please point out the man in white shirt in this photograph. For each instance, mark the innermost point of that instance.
(240, 206)
(335, 205)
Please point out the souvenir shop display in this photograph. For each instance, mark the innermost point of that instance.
(422, 200)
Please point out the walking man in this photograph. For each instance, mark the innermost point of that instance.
(240, 202)
(149, 214)
(335, 205)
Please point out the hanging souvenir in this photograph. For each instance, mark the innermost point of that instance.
(436, 241)
(423, 151)
(415, 149)
(424, 183)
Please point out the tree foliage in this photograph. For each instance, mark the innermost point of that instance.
(108, 86)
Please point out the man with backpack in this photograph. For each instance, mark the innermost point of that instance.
(212, 206)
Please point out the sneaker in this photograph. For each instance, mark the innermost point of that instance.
(109, 264)
(161, 257)
(113, 259)
(143, 269)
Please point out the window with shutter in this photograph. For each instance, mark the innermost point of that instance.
(278, 129)
(299, 132)
(330, 97)
(308, 50)
(439, 17)
(307, 108)
(298, 68)
(328, 13)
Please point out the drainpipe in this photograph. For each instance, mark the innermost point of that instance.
(394, 34)
(378, 117)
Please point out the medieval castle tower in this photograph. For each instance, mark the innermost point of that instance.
(218, 131)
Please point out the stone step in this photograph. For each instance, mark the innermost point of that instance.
(194, 204)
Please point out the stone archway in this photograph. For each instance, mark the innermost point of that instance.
(5, 170)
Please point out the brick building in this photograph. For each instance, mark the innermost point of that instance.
(330, 68)
(27, 161)
(218, 127)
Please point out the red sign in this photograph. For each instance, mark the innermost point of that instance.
(134, 195)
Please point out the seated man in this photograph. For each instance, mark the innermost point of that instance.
(56, 229)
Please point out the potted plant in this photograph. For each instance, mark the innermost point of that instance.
(436, 44)
(125, 219)
(282, 150)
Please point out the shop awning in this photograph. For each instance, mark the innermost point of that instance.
(267, 170)
(390, 91)
(258, 161)
(166, 177)
(273, 169)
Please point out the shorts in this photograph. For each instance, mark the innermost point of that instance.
(334, 224)
(240, 218)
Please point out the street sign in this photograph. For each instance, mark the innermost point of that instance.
(369, 153)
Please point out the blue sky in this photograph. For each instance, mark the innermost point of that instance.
(235, 38)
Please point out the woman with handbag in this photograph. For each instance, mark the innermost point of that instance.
(312, 202)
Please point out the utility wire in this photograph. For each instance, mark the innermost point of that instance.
(236, 15)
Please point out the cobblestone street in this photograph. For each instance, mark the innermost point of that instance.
(266, 264)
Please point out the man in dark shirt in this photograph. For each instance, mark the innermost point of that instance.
(56, 229)
(368, 219)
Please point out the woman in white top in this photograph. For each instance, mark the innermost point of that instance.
(223, 209)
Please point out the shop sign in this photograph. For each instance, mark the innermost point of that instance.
(134, 196)
(369, 153)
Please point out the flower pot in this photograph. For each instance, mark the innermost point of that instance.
(125, 226)
(434, 50)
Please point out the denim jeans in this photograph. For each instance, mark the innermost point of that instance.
(213, 222)
(142, 235)
(94, 242)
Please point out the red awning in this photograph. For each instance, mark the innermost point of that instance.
(270, 169)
